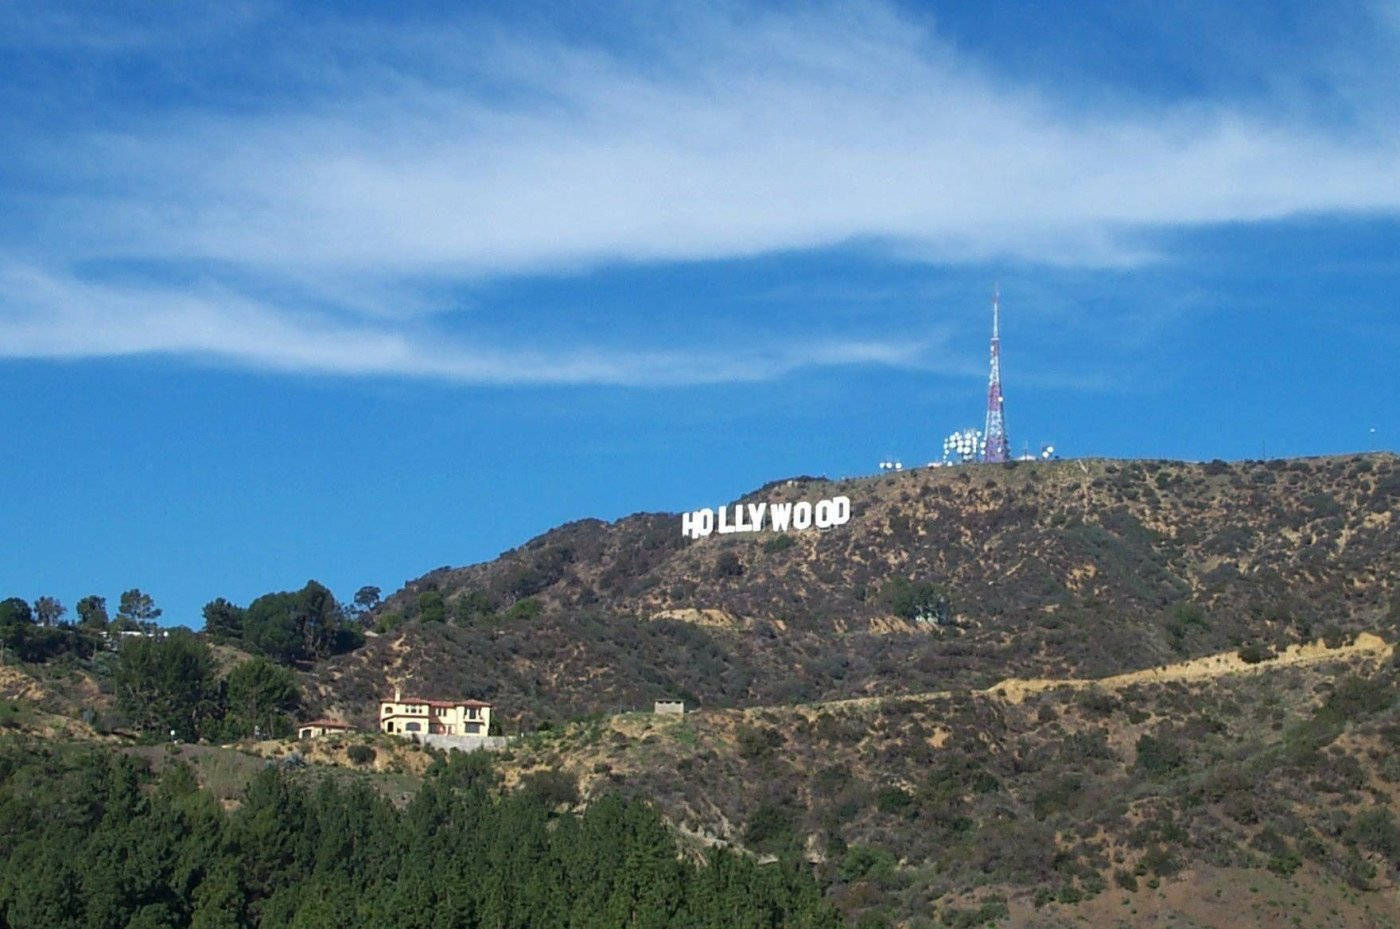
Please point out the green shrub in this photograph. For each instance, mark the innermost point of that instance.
(553, 786)
(728, 565)
(525, 610)
(779, 543)
(1375, 830)
(1303, 739)
(360, 754)
(1160, 861)
(1096, 701)
(1333, 636)
(473, 607)
(757, 742)
(863, 861)
(1254, 653)
(1059, 795)
(921, 601)
(431, 608)
(985, 915)
(772, 828)
(1355, 697)
(893, 800)
(1159, 755)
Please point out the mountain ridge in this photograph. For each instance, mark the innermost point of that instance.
(1145, 561)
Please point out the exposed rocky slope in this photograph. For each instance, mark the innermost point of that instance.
(1051, 569)
(1210, 793)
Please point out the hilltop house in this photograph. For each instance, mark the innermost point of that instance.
(320, 727)
(421, 716)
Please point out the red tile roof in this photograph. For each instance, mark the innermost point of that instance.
(441, 704)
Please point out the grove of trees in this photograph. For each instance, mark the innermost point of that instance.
(166, 684)
(287, 627)
(92, 838)
(37, 634)
(921, 601)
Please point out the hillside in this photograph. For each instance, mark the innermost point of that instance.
(1134, 694)
(1212, 793)
(1222, 792)
(1050, 569)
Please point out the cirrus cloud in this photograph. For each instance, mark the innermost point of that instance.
(414, 157)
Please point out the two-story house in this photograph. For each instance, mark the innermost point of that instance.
(420, 715)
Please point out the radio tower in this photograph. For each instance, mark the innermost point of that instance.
(997, 447)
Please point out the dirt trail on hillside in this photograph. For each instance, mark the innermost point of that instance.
(1224, 664)
(1014, 690)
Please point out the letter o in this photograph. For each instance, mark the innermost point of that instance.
(802, 515)
(825, 510)
(705, 521)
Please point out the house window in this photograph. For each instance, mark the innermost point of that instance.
(412, 727)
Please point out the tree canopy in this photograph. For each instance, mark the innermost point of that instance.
(286, 626)
(167, 683)
(136, 609)
(921, 601)
(23, 636)
(259, 696)
(92, 612)
(94, 839)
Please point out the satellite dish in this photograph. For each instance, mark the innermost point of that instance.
(962, 446)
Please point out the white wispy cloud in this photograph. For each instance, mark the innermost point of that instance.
(461, 153)
(55, 317)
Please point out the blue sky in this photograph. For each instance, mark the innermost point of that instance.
(352, 294)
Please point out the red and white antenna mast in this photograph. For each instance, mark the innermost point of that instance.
(997, 447)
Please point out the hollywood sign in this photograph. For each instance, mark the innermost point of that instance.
(756, 517)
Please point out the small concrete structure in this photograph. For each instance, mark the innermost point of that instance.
(670, 707)
(319, 727)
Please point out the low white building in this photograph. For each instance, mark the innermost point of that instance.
(319, 727)
(423, 716)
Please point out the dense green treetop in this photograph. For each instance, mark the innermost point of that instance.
(137, 609)
(48, 611)
(92, 612)
(287, 626)
(167, 683)
(259, 696)
(92, 839)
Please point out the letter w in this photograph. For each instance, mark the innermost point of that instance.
(781, 515)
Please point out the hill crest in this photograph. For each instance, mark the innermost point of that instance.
(1055, 569)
